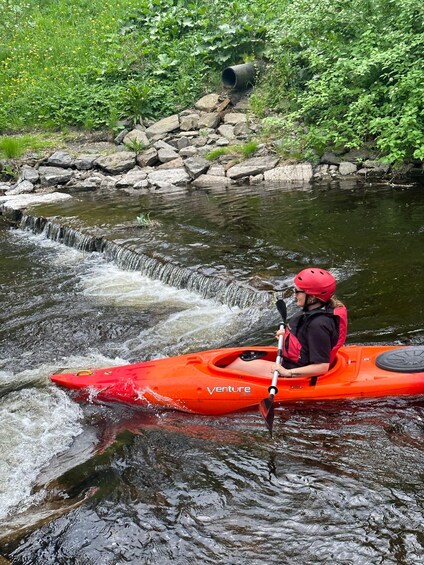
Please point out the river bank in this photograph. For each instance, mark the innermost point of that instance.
(211, 146)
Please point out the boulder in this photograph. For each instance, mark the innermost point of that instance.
(330, 158)
(196, 166)
(131, 178)
(23, 187)
(163, 126)
(119, 162)
(234, 118)
(217, 171)
(207, 103)
(189, 122)
(60, 159)
(226, 131)
(252, 167)
(346, 168)
(209, 120)
(165, 155)
(51, 176)
(147, 158)
(211, 181)
(189, 151)
(86, 162)
(301, 172)
(121, 136)
(169, 176)
(28, 173)
(21, 201)
(136, 137)
(176, 163)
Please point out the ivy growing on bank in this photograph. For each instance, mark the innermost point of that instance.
(338, 73)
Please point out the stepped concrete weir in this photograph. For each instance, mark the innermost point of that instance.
(224, 290)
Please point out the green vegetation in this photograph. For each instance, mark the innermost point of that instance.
(247, 150)
(338, 73)
(348, 72)
(14, 147)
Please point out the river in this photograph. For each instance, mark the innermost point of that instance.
(339, 483)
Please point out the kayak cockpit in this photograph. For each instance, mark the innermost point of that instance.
(221, 360)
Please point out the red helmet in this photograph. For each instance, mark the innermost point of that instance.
(317, 282)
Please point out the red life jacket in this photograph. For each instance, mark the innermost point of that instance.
(295, 334)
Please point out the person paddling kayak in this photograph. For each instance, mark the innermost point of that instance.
(313, 336)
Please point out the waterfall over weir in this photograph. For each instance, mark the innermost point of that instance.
(223, 290)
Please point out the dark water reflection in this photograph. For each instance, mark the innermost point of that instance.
(340, 482)
(340, 485)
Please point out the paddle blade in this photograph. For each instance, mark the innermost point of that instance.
(266, 408)
(282, 308)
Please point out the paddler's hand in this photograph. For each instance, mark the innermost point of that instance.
(280, 332)
(281, 370)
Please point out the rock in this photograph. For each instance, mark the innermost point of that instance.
(189, 151)
(182, 142)
(174, 164)
(163, 145)
(21, 201)
(163, 126)
(222, 142)
(330, 158)
(346, 168)
(199, 141)
(166, 187)
(166, 155)
(217, 171)
(135, 138)
(241, 129)
(196, 166)
(211, 181)
(290, 173)
(209, 120)
(141, 184)
(226, 131)
(120, 137)
(133, 177)
(257, 179)
(23, 187)
(51, 176)
(29, 173)
(5, 186)
(376, 165)
(234, 118)
(189, 122)
(86, 162)
(170, 176)
(60, 159)
(147, 158)
(119, 162)
(90, 183)
(252, 167)
(207, 103)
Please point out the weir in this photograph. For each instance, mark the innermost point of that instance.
(226, 291)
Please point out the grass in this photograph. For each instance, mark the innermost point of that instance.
(13, 147)
(246, 150)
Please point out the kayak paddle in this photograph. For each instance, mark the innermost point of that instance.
(266, 406)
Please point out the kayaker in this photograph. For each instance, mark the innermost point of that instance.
(313, 336)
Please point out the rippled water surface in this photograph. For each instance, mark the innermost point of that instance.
(339, 482)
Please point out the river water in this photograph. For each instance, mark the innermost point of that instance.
(339, 483)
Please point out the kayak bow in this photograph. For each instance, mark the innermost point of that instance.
(200, 383)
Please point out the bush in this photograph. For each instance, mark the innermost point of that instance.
(350, 72)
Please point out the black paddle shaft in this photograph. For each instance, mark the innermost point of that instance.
(266, 406)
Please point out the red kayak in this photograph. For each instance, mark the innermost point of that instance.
(200, 383)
